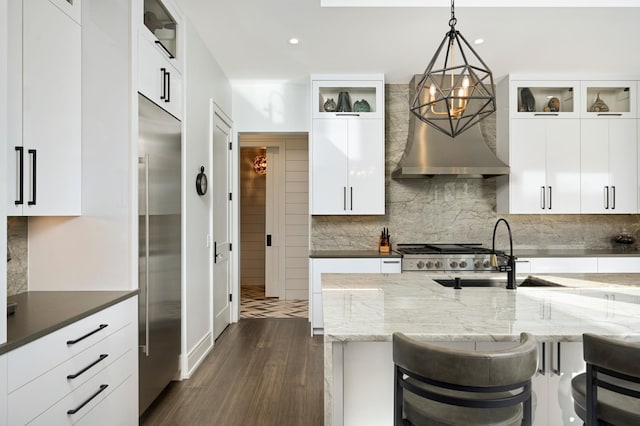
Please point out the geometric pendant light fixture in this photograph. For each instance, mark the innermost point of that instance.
(260, 164)
(456, 90)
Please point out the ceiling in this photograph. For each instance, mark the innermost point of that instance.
(249, 38)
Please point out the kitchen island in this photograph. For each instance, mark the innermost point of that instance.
(362, 311)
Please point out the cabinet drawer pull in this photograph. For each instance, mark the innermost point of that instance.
(159, 43)
(602, 114)
(351, 190)
(344, 197)
(168, 76)
(606, 198)
(390, 261)
(79, 373)
(163, 72)
(546, 115)
(19, 171)
(75, 410)
(549, 197)
(613, 198)
(73, 342)
(347, 115)
(543, 202)
(32, 202)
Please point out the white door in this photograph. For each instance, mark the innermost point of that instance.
(274, 248)
(623, 166)
(366, 167)
(221, 229)
(329, 167)
(563, 165)
(528, 175)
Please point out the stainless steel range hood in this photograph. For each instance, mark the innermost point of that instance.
(429, 152)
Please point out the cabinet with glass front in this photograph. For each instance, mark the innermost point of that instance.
(163, 23)
(544, 99)
(347, 98)
(608, 99)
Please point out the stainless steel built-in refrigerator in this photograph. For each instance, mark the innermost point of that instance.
(159, 207)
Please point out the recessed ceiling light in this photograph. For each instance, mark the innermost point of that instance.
(478, 41)
(294, 40)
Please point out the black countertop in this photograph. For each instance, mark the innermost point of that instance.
(351, 254)
(39, 313)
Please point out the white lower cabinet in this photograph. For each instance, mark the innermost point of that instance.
(317, 267)
(618, 264)
(3, 390)
(89, 365)
(546, 265)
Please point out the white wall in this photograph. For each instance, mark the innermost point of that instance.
(204, 80)
(92, 252)
(270, 106)
(4, 36)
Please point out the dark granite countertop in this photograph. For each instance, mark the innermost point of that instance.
(39, 313)
(351, 254)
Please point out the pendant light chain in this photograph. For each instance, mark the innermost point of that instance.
(453, 21)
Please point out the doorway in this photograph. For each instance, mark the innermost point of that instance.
(274, 225)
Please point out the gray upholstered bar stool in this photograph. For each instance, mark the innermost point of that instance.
(610, 389)
(435, 385)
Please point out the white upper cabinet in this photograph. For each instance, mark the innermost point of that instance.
(588, 132)
(347, 146)
(543, 99)
(608, 99)
(44, 167)
(545, 166)
(609, 166)
(161, 55)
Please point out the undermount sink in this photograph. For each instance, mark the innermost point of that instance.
(495, 282)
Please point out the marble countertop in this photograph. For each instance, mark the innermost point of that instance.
(39, 313)
(371, 307)
(576, 252)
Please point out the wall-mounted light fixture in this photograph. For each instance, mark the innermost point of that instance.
(260, 164)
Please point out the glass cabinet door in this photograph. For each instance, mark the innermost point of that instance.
(540, 99)
(608, 99)
(334, 98)
(162, 25)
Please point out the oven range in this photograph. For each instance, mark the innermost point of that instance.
(446, 257)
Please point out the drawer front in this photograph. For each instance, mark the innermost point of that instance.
(34, 359)
(90, 394)
(120, 408)
(390, 266)
(69, 376)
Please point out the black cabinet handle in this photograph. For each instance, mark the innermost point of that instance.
(79, 373)
(351, 207)
(344, 197)
(347, 115)
(20, 151)
(163, 71)
(32, 202)
(613, 201)
(159, 43)
(168, 98)
(549, 197)
(606, 198)
(609, 114)
(543, 202)
(546, 115)
(268, 240)
(73, 342)
(75, 410)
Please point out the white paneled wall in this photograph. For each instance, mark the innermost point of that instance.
(252, 220)
(297, 218)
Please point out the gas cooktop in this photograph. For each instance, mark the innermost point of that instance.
(467, 257)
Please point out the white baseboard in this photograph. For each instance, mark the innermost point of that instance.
(198, 354)
(297, 294)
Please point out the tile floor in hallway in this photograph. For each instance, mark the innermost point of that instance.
(254, 304)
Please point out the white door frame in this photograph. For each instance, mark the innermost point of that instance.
(276, 203)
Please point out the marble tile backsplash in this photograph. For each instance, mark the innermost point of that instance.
(449, 209)
(17, 244)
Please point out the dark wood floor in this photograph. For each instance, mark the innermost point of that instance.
(260, 372)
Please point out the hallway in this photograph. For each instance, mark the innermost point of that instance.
(261, 372)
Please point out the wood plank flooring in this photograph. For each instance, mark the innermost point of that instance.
(261, 372)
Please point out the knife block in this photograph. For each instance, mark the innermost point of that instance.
(384, 245)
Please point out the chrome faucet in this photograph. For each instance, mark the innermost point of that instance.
(510, 267)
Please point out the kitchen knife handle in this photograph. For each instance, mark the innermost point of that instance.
(32, 202)
(613, 202)
(543, 202)
(20, 173)
(606, 198)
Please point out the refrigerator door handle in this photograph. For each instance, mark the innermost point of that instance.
(145, 161)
